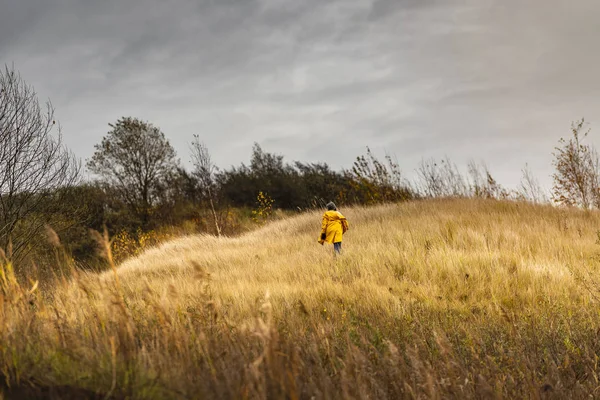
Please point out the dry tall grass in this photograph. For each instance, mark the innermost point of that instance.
(433, 299)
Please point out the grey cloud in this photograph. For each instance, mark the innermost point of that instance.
(18, 17)
(496, 80)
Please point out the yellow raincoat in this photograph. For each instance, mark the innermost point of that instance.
(334, 225)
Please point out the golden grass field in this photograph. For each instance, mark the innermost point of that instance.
(431, 299)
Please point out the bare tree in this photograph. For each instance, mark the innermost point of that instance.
(205, 171)
(529, 188)
(441, 179)
(483, 184)
(576, 178)
(34, 163)
(430, 179)
(135, 159)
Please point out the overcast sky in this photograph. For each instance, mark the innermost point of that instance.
(319, 80)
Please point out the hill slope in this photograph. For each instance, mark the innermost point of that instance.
(439, 254)
(453, 298)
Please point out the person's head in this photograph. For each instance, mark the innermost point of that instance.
(331, 206)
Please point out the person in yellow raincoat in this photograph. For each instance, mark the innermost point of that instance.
(333, 227)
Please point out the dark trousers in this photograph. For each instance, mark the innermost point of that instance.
(337, 247)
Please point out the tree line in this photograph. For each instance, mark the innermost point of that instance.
(139, 183)
(137, 168)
